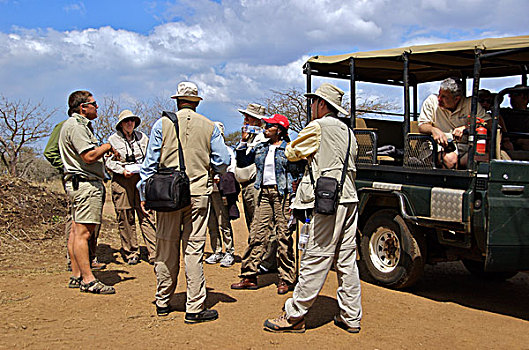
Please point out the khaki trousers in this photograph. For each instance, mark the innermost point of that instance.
(331, 239)
(219, 218)
(271, 206)
(185, 227)
(127, 230)
(249, 196)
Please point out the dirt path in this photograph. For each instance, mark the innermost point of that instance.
(448, 309)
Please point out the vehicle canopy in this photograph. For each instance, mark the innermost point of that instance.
(412, 65)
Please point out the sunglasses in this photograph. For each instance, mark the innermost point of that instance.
(270, 125)
(93, 103)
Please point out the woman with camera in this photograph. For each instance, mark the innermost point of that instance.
(131, 145)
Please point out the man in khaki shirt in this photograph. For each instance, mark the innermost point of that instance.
(83, 174)
(445, 117)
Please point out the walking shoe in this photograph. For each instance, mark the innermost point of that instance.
(202, 316)
(96, 265)
(214, 258)
(339, 323)
(282, 324)
(163, 310)
(75, 282)
(283, 287)
(246, 283)
(227, 260)
(96, 287)
(134, 260)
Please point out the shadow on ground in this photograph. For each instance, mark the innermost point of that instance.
(450, 282)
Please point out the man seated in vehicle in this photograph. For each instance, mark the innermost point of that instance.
(445, 117)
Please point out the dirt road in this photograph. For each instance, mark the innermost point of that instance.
(448, 309)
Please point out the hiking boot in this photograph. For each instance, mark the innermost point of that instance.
(339, 323)
(282, 324)
(214, 258)
(96, 265)
(96, 287)
(202, 316)
(227, 260)
(163, 310)
(75, 282)
(134, 260)
(246, 283)
(283, 287)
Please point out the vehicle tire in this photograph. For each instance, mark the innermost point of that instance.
(477, 268)
(391, 255)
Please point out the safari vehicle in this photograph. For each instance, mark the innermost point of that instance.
(411, 212)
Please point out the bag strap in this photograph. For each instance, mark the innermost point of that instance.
(172, 116)
(346, 162)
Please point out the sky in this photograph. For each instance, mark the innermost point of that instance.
(236, 51)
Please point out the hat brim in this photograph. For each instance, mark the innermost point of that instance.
(136, 124)
(187, 98)
(251, 114)
(338, 108)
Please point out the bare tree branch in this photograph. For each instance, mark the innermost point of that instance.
(22, 123)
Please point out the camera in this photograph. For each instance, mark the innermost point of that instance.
(130, 158)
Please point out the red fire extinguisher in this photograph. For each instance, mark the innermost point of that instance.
(481, 132)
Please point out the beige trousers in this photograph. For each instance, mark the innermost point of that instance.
(185, 227)
(331, 239)
(249, 196)
(271, 206)
(127, 230)
(219, 219)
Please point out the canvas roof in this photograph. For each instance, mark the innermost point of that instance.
(428, 62)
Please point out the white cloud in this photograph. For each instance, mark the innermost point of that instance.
(77, 7)
(237, 50)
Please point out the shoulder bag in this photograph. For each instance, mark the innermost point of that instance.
(168, 189)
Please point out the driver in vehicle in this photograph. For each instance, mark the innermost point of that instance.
(445, 117)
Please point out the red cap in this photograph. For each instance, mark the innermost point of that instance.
(278, 119)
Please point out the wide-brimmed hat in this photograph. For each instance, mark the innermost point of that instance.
(126, 114)
(278, 119)
(254, 110)
(331, 94)
(187, 90)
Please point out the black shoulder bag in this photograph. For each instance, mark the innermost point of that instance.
(168, 189)
(328, 189)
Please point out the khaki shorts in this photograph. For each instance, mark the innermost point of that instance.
(87, 201)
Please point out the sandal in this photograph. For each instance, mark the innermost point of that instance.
(96, 287)
(75, 282)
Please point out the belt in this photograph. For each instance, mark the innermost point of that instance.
(269, 186)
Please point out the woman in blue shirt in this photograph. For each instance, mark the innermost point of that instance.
(274, 183)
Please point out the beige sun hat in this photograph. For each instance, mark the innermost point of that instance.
(331, 94)
(254, 110)
(187, 90)
(127, 114)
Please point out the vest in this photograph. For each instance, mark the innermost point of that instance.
(328, 161)
(195, 135)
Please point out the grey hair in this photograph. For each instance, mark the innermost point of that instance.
(453, 85)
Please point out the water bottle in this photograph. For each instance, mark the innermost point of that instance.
(251, 129)
(304, 235)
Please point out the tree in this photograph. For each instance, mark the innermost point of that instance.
(22, 123)
(148, 111)
(232, 138)
(293, 104)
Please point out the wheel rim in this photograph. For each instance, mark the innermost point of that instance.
(384, 250)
